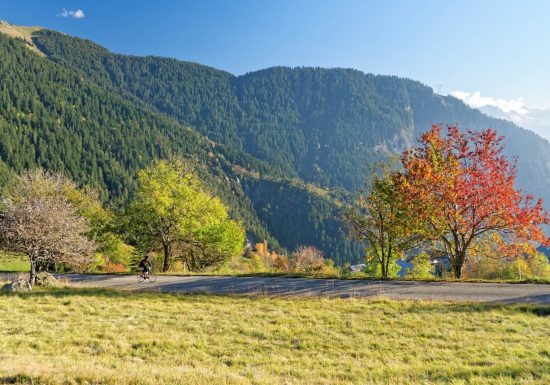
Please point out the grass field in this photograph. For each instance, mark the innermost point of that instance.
(10, 262)
(66, 336)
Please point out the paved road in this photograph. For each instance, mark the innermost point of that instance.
(448, 291)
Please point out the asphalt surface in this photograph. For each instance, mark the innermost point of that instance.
(446, 291)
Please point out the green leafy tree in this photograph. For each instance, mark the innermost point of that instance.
(422, 268)
(102, 227)
(378, 219)
(173, 211)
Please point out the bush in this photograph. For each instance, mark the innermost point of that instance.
(257, 264)
(113, 268)
(177, 267)
(539, 267)
(488, 267)
(307, 260)
(422, 268)
(271, 260)
(115, 250)
(281, 263)
(329, 268)
(373, 269)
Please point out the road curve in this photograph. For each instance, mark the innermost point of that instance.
(446, 291)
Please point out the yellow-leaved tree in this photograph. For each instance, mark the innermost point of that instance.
(174, 212)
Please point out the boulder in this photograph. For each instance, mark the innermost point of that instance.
(20, 284)
(45, 279)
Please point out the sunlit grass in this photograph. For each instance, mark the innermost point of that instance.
(24, 33)
(13, 263)
(96, 336)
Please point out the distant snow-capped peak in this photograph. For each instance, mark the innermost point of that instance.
(514, 110)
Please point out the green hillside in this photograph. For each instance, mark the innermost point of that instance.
(322, 125)
(53, 117)
(99, 116)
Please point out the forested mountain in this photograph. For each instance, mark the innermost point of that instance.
(322, 125)
(53, 117)
(317, 124)
(258, 138)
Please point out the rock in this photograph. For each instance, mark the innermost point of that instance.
(45, 279)
(20, 284)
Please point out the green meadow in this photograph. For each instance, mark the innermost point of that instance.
(78, 336)
(13, 263)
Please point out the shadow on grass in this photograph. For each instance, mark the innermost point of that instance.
(61, 292)
(19, 379)
(415, 306)
(66, 292)
(491, 370)
(472, 308)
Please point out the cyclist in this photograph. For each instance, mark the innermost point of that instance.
(145, 265)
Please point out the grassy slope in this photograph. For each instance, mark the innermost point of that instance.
(10, 262)
(23, 33)
(91, 336)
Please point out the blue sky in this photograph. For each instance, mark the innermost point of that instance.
(500, 49)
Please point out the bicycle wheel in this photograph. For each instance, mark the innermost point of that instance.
(140, 277)
(152, 277)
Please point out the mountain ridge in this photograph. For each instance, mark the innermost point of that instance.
(381, 113)
(320, 127)
(52, 117)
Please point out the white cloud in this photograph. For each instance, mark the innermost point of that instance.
(474, 99)
(78, 14)
(534, 119)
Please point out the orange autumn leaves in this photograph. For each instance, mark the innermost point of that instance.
(461, 187)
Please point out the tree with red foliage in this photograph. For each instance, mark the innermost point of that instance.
(460, 188)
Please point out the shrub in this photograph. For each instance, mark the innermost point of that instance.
(488, 267)
(115, 250)
(329, 268)
(281, 263)
(256, 264)
(422, 268)
(110, 267)
(307, 259)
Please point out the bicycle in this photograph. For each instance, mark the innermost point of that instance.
(148, 275)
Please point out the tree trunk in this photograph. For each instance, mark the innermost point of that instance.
(383, 262)
(167, 256)
(458, 263)
(457, 271)
(385, 268)
(32, 274)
